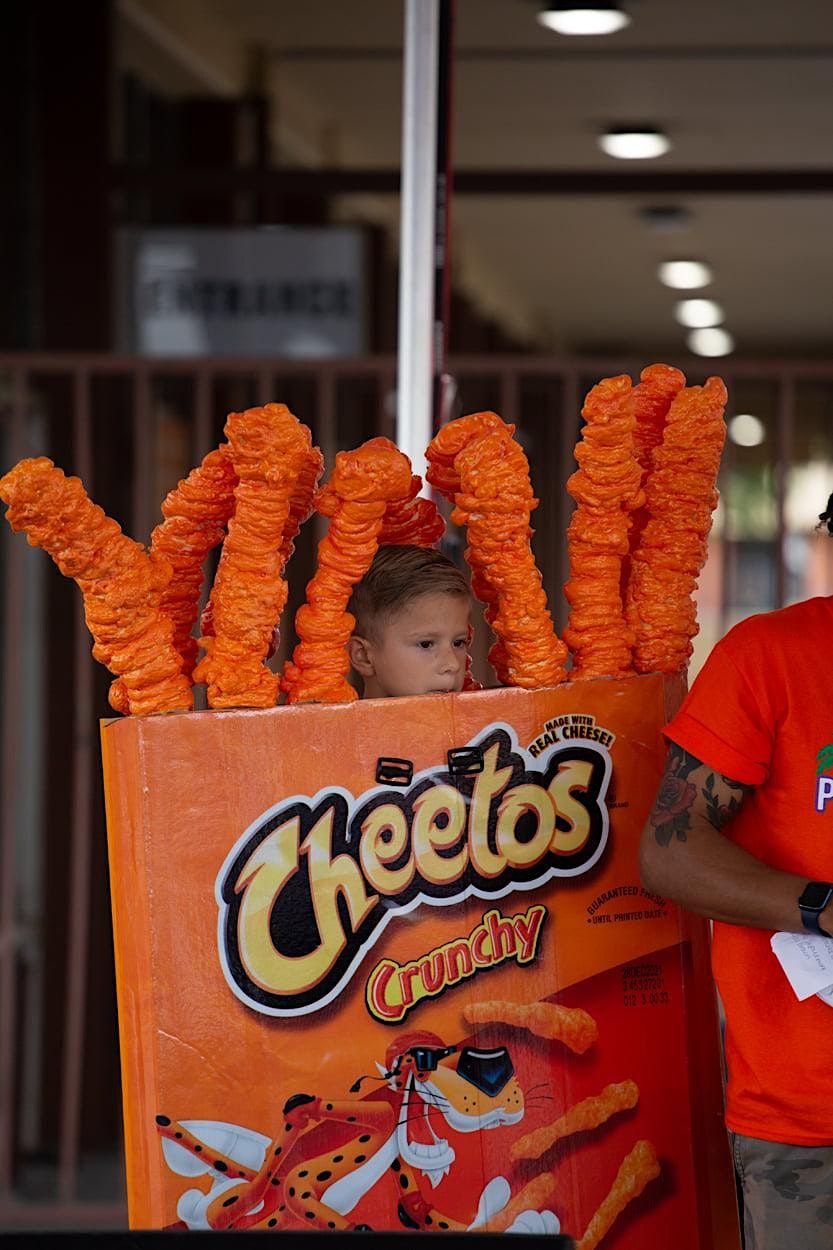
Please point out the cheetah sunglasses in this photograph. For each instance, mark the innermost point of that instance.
(487, 1070)
(425, 1058)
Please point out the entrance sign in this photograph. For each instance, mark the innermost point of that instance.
(273, 290)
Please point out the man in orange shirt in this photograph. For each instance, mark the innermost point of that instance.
(742, 832)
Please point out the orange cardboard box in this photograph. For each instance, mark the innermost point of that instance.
(332, 923)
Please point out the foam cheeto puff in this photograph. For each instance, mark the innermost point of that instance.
(362, 485)
(121, 584)
(681, 498)
(649, 402)
(478, 466)
(269, 449)
(644, 491)
(606, 488)
(196, 515)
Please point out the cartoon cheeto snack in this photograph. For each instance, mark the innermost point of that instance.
(588, 1114)
(637, 1170)
(570, 1025)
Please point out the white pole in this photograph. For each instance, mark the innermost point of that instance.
(414, 419)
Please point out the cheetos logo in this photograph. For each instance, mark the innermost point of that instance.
(310, 886)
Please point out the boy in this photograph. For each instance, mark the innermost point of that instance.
(412, 624)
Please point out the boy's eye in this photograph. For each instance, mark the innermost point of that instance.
(460, 642)
(426, 644)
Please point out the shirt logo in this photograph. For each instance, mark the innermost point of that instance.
(824, 784)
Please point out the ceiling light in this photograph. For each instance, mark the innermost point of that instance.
(710, 341)
(697, 313)
(634, 143)
(684, 275)
(586, 18)
(746, 430)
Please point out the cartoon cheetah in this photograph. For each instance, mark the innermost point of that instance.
(257, 1183)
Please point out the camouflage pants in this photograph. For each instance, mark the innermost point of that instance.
(787, 1194)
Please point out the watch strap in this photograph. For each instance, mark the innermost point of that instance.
(810, 920)
(810, 914)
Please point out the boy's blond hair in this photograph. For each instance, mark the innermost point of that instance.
(397, 576)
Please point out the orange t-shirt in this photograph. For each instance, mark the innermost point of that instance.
(761, 711)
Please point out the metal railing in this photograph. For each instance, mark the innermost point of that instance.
(130, 428)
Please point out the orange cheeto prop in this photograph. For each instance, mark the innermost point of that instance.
(121, 584)
(363, 484)
(681, 498)
(606, 488)
(476, 463)
(196, 515)
(269, 447)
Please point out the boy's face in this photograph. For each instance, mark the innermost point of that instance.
(419, 650)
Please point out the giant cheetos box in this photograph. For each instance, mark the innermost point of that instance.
(389, 965)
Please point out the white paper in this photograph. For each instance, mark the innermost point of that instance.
(807, 960)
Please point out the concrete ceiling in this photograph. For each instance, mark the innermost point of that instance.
(744, 88)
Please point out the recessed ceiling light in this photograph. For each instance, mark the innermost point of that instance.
(710, 341)
(697, 313)
(684, 275)
(746, 430)
(586, 18)
(665, 218)
(634, 143)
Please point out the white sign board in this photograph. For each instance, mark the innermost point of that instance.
(297, 291)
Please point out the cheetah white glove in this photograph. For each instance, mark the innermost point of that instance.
(495, 1197)
(536, 1222)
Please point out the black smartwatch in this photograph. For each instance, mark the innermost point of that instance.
(814, 898)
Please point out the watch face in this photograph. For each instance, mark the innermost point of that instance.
(816, 895)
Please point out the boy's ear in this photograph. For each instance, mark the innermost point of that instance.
(361, 655)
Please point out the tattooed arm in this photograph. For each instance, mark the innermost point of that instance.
(684, 855)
